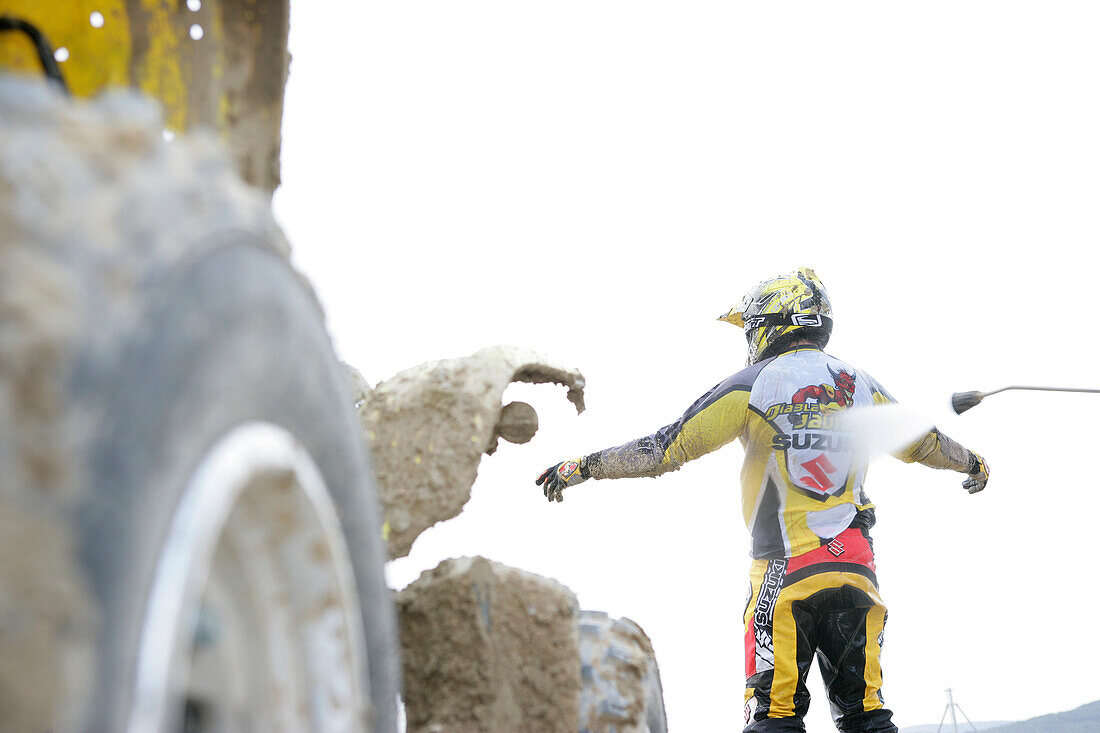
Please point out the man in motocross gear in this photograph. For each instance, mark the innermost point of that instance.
(814, 591)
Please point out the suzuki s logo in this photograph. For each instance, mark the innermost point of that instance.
(819, 470)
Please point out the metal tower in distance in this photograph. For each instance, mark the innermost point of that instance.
(951, 705)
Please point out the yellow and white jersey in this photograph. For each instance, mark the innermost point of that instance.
(802, 480)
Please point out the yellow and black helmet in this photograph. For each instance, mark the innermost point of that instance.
(777, 310)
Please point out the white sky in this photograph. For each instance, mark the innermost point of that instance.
(599, 180)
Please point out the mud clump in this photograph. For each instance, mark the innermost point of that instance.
(518, 422)
(489, 648)
(427, 428)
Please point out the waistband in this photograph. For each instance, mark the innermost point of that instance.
(848, 552)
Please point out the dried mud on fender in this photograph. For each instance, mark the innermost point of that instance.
(427, 428)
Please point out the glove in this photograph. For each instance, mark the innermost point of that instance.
(560, 476)
(979, 474)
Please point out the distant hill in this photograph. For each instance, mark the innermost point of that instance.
(1085, 719)
(989, 726)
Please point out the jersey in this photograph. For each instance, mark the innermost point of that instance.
(802, 478)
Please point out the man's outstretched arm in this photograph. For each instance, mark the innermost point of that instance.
(936, 450)
(713, 420)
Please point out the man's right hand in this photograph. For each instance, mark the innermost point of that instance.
(979, 474)
(559, 476)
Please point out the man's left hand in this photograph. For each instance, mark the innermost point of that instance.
(979, 474)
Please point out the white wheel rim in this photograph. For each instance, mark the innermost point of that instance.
(254, 542)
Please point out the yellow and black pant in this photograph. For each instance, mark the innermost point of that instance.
(823, 603)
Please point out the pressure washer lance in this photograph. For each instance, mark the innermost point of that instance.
(963, 401)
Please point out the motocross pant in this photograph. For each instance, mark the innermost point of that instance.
(823, 603)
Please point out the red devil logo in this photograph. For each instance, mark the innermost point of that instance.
(839, 393)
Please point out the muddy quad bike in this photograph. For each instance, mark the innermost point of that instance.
(188, 532)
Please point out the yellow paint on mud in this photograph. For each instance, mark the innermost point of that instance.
(227, 77)
(159, 73)
(216, 32)
(145, 50)
(97, 57)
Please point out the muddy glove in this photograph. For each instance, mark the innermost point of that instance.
(979, 474)
(560, 476)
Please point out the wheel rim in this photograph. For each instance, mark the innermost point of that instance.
(253, 619)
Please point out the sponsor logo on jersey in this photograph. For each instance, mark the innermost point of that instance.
(818, 458)
(836, 547)
(812, 441)
(812, 406)
(818, 469)
(838, 393)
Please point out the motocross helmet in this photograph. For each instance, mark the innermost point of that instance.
(781, 310)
